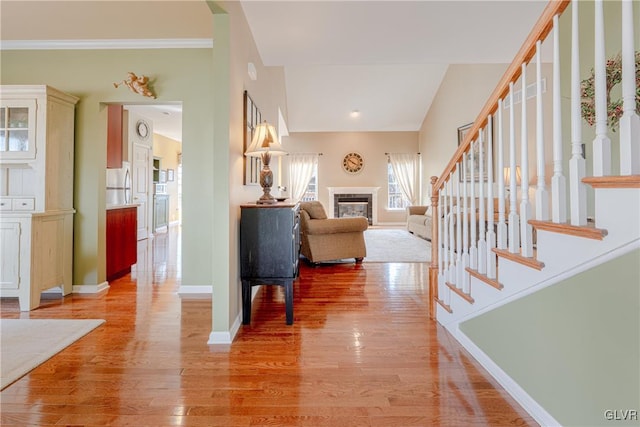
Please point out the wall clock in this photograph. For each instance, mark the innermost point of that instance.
(353, 162)
(142, 129)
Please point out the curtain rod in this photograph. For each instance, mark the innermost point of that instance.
(386, 154)
(319, 154)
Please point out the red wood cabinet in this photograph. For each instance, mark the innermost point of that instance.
(121, 241)
(114, 136)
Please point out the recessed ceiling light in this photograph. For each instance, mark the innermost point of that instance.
(355, 113)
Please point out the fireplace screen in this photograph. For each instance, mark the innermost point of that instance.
(351, 209)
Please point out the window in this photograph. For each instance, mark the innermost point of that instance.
(396, 199)
(311, 193)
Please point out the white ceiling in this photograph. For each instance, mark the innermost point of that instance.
(383, 58)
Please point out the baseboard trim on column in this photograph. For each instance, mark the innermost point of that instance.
(90, 289)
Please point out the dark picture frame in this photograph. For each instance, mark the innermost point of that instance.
(472, 176)
(251, 118)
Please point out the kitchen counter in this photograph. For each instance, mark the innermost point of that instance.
(128, 205)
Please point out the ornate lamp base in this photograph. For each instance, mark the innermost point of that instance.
(266, 181)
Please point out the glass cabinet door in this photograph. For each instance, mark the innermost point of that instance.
(17, 129)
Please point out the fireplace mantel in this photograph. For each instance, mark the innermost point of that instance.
(373, 191)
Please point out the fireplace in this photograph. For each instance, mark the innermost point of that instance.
(354, 201)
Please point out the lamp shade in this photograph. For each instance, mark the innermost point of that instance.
(264, 140)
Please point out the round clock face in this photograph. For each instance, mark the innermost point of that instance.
(353, 163)
(142, 129)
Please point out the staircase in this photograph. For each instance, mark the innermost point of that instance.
(548, 226)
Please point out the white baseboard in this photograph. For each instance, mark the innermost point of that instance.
(90, 289)
(225, 337)
(186, 290)
(513, 388)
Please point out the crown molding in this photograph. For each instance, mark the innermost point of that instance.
(106, 44)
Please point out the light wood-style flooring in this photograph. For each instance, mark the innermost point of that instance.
(361, 352)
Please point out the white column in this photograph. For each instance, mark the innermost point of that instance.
(526, 233)
(558, 181)
(465, 227)
(542, 195)
(482, 232)
(502, 224)
(514, 218)
(491, 234)
(577, 166)
(473, 251)
(629, 122)
(602, 143)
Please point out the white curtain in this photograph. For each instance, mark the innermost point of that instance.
(406, 169)
(301, 167)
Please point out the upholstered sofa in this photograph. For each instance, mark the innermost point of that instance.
(419, 221)
(327, 239)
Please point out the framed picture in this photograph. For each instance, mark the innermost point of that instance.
(170, 175)
(251, 165)
(163, 175)
(472, 175)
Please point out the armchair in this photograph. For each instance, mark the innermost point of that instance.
(325, 239)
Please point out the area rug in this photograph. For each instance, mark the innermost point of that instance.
(395, 245)
(26, 343)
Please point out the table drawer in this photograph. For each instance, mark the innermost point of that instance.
(5, 204)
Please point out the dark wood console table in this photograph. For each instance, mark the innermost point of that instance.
(269, 251)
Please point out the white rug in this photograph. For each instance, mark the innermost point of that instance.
(26, 343)
(395, 245)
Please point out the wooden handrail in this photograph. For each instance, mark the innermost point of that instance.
(539, 32)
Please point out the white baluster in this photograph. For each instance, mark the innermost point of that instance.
(473, 251)
(514, 218)
(630, 121)
(482, 233)
(465, 228)
(558, 181)
(602, 143)
(440, 237)
(444, 214)
(491, 234)
(542, 195)
(502, 225)
(452, 244)
(577, 166)
(526, 232)
(459, 270)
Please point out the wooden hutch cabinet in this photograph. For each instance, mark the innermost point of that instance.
(269, 251)
(36, 191)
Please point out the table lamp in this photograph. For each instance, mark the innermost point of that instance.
(265, 144)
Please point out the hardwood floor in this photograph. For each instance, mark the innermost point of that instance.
(361, 352)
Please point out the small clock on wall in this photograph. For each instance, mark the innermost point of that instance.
(353, 162)
(142, 129)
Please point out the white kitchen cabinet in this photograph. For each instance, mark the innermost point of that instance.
(36, 191)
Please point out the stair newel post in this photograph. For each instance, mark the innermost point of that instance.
(526, 231)
(577, 164)
(491, 234)
(630, 121)
(465, 226)
(433, 268)
(473, 250)
(558, 181)
(514, 218)
(459, 271)
(452, 244)
(502, 224)
(542, 195)
(601, 143)
(482, 243)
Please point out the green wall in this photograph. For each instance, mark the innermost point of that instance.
(183, 75)
(575, 346)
